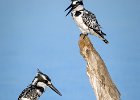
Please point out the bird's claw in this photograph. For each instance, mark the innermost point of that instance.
(84, 35)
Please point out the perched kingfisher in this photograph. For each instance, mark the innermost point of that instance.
(37, 87)
(85, 20)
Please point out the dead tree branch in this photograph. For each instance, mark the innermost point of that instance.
(97, 72)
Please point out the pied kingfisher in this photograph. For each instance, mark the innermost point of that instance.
(37, 87)
(85, 20)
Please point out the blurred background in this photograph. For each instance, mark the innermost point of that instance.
(36, 34)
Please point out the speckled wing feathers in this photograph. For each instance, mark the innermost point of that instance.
(90, 20)
(29, 92)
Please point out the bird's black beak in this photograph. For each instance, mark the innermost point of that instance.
(70, 9)
(54, 89)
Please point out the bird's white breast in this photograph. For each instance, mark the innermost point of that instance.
(80, 23)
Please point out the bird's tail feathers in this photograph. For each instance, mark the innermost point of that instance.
(103, 33)
(102, 38)
(106, 41)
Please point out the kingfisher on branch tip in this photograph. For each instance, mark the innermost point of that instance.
(37, 87)
(85, 20)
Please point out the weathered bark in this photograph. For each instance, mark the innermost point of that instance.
(97, 72)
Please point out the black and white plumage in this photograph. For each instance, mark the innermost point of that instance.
(37, 87)
(85, 20)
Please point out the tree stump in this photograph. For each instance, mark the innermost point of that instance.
(97, 72)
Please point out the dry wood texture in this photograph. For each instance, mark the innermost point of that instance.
(97, 72)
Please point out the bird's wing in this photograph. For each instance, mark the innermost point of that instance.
(90, 20)
(29, 92)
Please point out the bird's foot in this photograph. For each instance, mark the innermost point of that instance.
(84, 35)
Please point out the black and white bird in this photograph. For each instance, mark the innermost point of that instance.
(85, 20)
(37, 87)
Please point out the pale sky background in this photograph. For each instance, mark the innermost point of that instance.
(36, 34)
